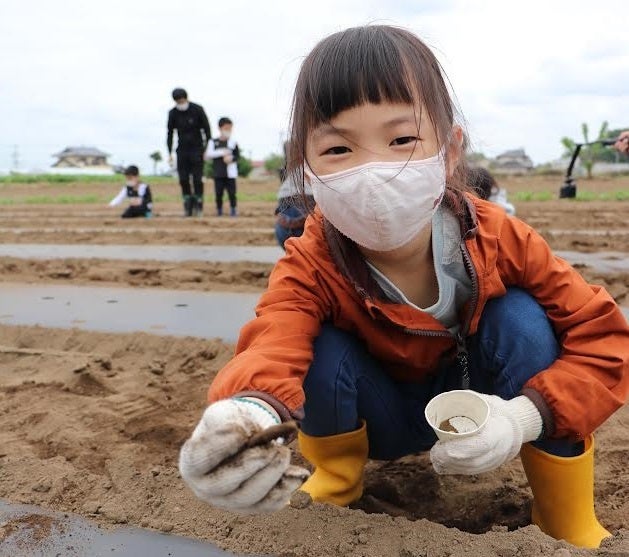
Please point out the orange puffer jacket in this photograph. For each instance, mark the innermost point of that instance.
(323, 277)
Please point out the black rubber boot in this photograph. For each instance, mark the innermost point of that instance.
(199, 206)
(188, 205)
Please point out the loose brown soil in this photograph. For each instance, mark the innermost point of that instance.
(566, 224)
(92, 422)
(188, 275)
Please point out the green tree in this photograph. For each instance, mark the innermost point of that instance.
(475, 158)
(273, 163)
(208, 168)
(157, 157)
(245, 166)
(589, 154)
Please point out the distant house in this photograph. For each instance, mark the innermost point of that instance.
(515, 161)
(86, 158)
(259, 171)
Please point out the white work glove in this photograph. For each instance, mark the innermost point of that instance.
(510, 423)
(235, 462)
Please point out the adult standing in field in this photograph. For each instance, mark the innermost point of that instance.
(193, 133)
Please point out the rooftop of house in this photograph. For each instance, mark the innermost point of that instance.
(513, 153)
(81, 151)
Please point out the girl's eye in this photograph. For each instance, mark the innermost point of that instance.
(404, 140)
(339, 150)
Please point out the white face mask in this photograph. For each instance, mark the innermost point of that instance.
(381, 205)
(226, 134)
(182, 106)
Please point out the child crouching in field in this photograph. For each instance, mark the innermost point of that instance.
(486, 187)
(405, 285)
(138, 193)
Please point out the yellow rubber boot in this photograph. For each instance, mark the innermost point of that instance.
(339, 461)
(563, 495)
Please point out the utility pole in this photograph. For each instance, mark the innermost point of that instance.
(16, 158)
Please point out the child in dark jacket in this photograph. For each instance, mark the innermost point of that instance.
(224, 153)
(138, 193)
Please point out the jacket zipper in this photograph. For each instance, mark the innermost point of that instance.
(461, 349)
(462, 355)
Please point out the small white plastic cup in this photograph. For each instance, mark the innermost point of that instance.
(464, 408)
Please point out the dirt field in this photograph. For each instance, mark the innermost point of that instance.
(92, 422)
(586, 226)
(581, 226)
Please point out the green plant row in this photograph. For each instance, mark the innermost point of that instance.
(92, 199)
(78, 178)
(521, 196)
(583, 195)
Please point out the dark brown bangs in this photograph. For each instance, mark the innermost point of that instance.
(357, 66)
(371, 64)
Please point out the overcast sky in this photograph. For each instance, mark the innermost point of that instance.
(525, 73)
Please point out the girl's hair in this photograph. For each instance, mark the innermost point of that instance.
(371, 64)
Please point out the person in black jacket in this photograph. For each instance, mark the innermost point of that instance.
(189, 119)
(224, 153)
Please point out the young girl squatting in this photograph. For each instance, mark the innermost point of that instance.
(404, 286)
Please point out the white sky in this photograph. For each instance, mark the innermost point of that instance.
(525, 73)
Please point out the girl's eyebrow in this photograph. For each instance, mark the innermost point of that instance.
(327, 129)
(400, 120)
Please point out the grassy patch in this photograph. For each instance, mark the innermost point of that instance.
(53, 179)
(620, 195)
(53, 200)
(265, 196)
(582, 195)
(87, 199)
(534, 196)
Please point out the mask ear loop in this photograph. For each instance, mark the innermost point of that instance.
(310, 176)
(308, 171)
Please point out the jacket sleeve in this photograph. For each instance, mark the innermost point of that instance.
(169, 134)
(122, 195)
(274, 351)
(590, 379)
(213, 153)
(205, 126)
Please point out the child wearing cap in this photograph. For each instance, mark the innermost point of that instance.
(138, 193)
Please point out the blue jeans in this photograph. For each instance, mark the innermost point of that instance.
(283, 233)
(345, 384)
